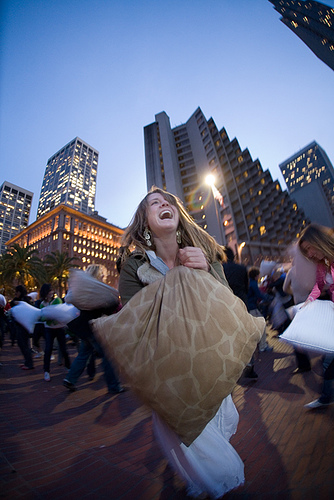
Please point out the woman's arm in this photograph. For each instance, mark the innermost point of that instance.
(129, 283)
(319, 284)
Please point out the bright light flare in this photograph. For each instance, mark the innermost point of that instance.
(210, 180)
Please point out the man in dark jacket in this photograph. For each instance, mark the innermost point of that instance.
(237, 277)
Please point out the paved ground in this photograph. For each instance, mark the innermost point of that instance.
(88, 445)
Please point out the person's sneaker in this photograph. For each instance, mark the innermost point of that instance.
(316, 404)
(297, 371)
(38, 355)
(69, 385)
(52, 358)
(118, 391)
(47, 377)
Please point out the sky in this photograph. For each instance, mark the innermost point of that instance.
(102, 69)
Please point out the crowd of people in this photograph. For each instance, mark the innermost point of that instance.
(162, 238)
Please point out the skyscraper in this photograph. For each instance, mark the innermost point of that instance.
(309, 176)
(70, 178)
(313, 23)
(252, 215)
(15, 204)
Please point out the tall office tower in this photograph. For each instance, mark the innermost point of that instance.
(309, 176)
(313, 23)
(255, 217)
(70, 178)
(15, 204)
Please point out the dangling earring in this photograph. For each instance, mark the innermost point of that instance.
(147, 236)
(178, 237)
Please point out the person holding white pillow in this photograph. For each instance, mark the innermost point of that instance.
(316, 243)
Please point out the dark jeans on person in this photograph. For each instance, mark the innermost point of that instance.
(12, 331)
(3, 329)
(39, 332)
(303, 360)
(50, 335)
(87, 349)
(23, 341)
(327, 386)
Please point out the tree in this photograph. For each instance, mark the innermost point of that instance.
(21, 266)
(58, 265)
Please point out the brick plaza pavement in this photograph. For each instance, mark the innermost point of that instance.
(88, 445)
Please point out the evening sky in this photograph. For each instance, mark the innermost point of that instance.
(102, 69)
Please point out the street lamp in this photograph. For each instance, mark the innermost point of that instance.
(210, 181)
(240, 247)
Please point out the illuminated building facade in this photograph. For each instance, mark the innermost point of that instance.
(313, 23)
(256, 219)
(309, 176)
(90, 239)
(70, 179)
(15, 205)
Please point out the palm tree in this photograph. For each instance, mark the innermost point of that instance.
(21, 266)
(58, 265)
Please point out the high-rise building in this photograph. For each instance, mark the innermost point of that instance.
(309, 176)
(89, 239)
(313, 23)
(70, 179)
(15, 204)
(255, 217)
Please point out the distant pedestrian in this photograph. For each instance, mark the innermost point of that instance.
(237, 277)
(89, 347)
(254, 297)
(52, 331)
(299, 282)
(22, 335)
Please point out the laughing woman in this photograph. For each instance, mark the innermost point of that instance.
(159, 228)
(171, 278)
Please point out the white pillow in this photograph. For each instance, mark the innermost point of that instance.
(313, 327)
(26, 315)
(87, 293)
(62, 313)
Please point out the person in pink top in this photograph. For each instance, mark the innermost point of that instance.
(316, 243)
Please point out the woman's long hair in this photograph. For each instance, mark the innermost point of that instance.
(191, 233)
(321, 237)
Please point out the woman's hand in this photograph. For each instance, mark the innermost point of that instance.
(193, 257)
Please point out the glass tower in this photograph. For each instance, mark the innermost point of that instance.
(309, 176)
(15, 204)
(70, 179)
(313, 23)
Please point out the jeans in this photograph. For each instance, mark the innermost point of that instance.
(87, 349)
(23, 341)
(327, 386)
(263, 340)
(303, 360)
(39, 331)
(50, 335)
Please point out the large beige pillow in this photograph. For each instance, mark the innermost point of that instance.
(87, 293)
(182, 343)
